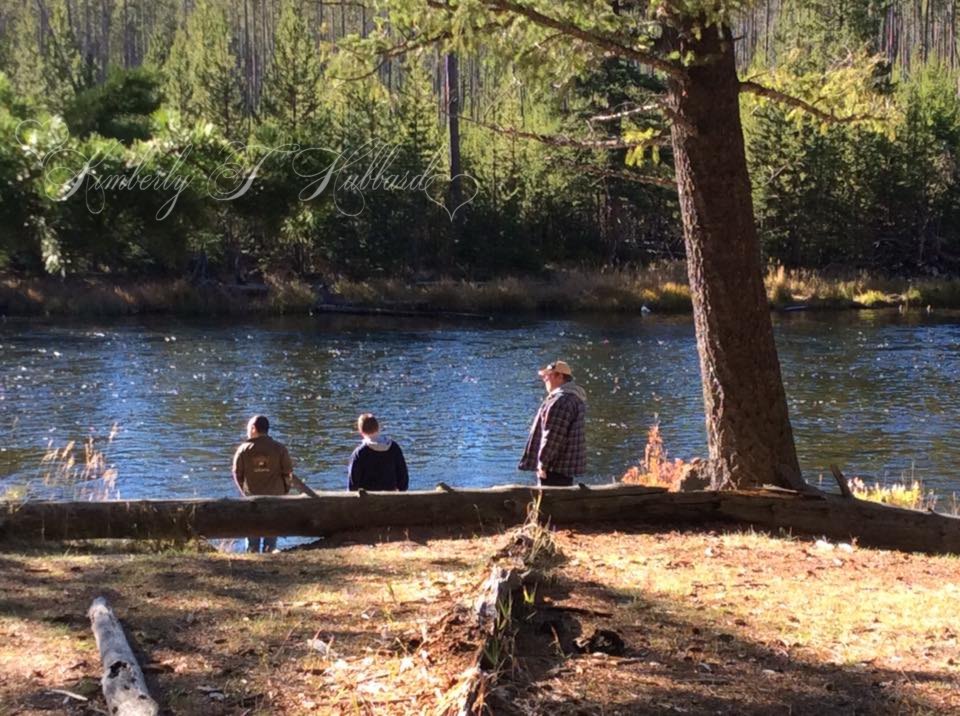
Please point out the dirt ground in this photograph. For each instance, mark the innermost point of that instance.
(737, 623)
(229, 633)
(699, 622)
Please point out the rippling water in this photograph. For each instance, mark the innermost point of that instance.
(875, 392)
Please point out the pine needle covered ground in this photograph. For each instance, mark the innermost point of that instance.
(346, 629)
(712, 622)
(740, 622)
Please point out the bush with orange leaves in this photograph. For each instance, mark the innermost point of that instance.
(656, 470)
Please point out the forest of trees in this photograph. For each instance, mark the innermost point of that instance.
(564, 173)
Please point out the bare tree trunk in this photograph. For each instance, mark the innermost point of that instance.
(453, 120)
(748, 428)
(455, 193)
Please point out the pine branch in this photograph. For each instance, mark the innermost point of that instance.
(792, 101)
(611, 44)
(411, 45)
(664, 182)
(397, 51)
(613, 116)
(560, 140)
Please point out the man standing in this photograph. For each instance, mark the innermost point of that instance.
(262, 466)
(556, 447)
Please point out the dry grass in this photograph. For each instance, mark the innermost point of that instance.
(661, 288)
(100, 297)
(741, 623)
(656, 469)
(858, 290)
(907, 493)
(239, 626)
(84, 472)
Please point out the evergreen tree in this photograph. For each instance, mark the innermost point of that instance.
(292, 89)
(26, 63)
(216, 69)
(178, 74)
(45, 61)
(202, 72)
(63, 71)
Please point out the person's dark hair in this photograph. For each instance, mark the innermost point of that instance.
(261, 423)
(367, 424)
(567, 378)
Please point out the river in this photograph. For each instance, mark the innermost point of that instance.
(873, 391)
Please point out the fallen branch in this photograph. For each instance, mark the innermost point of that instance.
(493, 611)
(124, 687)
(842, 482)
(68, 695)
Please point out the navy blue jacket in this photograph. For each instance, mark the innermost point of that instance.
(378, 467)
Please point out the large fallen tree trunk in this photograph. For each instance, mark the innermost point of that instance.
(822, 515)
(123, 684)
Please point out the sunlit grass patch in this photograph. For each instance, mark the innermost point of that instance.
(909, 493)
(875, 299)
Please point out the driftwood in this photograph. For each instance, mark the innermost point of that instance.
(123, 684)
(821, 515)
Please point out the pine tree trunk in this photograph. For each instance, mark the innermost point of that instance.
(748, 429)
(455, 192)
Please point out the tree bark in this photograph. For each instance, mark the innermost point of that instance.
(748, 428)
(123, 684)
(830, 515)
(455, 193)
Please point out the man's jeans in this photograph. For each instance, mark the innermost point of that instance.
(555, 479)
(254, 543)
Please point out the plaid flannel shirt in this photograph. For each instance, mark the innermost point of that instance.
(557, 439)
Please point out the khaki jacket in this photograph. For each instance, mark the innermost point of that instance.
(262, 466)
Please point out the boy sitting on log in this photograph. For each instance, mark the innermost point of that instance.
(377, 464)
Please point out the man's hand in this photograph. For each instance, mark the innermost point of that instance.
(541, 473)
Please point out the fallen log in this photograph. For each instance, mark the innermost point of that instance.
(328, 513)
(831, 516)
(123, 684)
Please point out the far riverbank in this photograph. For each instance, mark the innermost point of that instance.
(660, 289)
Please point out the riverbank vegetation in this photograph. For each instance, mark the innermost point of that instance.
(712, 620)
(658, 468)
(174, 106)
(660, 288)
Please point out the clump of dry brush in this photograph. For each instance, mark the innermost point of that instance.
(81, 469)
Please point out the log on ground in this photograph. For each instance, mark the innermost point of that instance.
(123, 684)
(831, 516)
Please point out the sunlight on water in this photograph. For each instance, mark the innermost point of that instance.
(875, 393)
